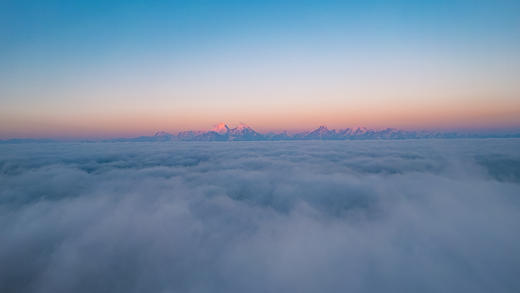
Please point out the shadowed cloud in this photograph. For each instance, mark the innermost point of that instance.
(308, 216)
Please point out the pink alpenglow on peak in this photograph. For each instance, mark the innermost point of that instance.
(220, 128)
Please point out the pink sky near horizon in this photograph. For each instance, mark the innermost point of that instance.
(424, 93)
(116, 69)
(135, 123)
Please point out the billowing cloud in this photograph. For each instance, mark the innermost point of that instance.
(335, 216)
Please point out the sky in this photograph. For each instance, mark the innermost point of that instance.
(124, 68)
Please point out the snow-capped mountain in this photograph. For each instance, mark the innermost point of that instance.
(220, 128)
(322, 132)
(222, 132)
(242, 132)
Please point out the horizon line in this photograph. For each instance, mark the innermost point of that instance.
(481, 131)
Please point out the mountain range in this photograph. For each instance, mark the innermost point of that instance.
(242, 132)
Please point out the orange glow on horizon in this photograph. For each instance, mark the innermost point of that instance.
(136, 123)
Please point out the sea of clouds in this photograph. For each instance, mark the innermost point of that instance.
(306, 216)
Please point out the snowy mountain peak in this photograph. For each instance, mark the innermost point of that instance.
(321, 132)
(220, 128)
(244, 132)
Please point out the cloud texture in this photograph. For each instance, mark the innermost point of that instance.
(321, 216)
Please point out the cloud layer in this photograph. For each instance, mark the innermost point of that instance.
(321, 216)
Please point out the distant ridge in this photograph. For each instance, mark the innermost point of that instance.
(242, 132)
(222, 132)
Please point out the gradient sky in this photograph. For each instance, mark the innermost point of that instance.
(122, 68)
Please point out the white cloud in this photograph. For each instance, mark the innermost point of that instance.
(367, 216)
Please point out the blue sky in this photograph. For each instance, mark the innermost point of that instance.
(142, 65)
